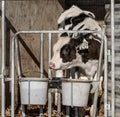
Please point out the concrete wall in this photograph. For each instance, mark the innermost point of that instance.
(29, 15)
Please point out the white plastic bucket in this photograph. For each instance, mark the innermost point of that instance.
(75, 92)
(33, 91)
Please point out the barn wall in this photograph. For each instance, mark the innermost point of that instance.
(29, 15)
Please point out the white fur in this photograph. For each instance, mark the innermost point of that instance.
(71, 12)
(89, 24)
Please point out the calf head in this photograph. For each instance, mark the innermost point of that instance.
(69, 52)
(77, 50)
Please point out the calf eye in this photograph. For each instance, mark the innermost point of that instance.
(67, 53)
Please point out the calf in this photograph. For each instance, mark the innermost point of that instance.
(78, 49)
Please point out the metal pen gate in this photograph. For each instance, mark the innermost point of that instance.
(49, 33)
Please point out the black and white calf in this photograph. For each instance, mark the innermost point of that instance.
(80, 50)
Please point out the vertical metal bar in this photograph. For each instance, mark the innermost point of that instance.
(72, 86)
(56, 98)
(59, 102)
(41, 56)
(105, 76)
(41, 111)
(49, 103)
(17, 51)
(49, 39)
(76, 112)
(113, 61)
(29, 95)
(3, 60)
(98, 77)
(12, 77)
(67, 111)
(23, 110)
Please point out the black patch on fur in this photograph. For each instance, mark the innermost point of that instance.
(68, 21)
(73, 20)
(61, 25)
(68, 53)
(81, 27)
(76, 41)
(64, 34)
(78, 19)
(65, 22)
(93, 51)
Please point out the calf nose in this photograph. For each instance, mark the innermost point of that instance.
(52, 65)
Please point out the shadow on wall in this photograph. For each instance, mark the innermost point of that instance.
(10, 27)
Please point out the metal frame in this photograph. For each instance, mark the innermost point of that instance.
(12, 75)
(113, 60)
(14, 40)
(3, 61)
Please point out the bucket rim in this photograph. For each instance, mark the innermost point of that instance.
(79, 80)
(23, 79)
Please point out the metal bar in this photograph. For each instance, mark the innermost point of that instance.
(56, 31)
(41, 56)
(76, 111)
(98, 77)
(49, 103)
(105, 76)
(23, 111)
(113, 60)
(12, 77)
(19, 69)
(59, 102)
(41, 111)
(49, 57)
(56, 98)
(7, 79)
(3, 61)
(67, 111)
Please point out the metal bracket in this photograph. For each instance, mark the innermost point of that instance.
(4, 73)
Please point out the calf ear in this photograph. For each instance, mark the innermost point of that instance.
(90, 14)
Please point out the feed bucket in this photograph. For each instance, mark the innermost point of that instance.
(75, 92)
(33, 91)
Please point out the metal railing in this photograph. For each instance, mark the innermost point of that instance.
(49, 57)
